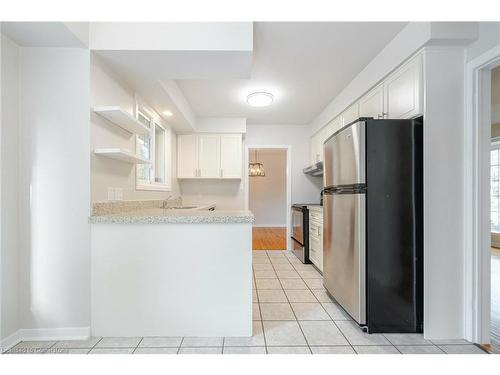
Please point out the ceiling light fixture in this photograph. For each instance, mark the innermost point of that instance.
(256, 169)
(168, 113)
(260, 99)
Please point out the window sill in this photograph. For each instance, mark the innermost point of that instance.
(153, 187)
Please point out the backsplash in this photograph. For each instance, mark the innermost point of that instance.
(115, 207)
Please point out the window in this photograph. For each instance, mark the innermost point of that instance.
(495, 188)
(154, 146)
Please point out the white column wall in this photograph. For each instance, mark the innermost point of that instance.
(443, 193)
(10, 321)
(54, 188)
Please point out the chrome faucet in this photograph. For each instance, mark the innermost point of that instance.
(165, 202)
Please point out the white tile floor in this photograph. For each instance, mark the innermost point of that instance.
(292, 314)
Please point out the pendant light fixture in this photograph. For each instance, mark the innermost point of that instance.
(256, 169)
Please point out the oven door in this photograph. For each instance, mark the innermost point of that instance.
(297, 225)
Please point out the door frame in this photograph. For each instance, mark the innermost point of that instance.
(477, 233)
(246, 184)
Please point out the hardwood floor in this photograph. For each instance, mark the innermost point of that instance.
(265, 238)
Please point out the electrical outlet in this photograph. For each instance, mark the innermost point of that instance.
(111, 194)
(118, 194)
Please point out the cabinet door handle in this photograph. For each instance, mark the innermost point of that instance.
(221, 173)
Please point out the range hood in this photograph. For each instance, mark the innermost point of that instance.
(315, 169)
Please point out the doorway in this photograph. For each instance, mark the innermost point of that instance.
(495, 211)
(482, 201)
(268, 196)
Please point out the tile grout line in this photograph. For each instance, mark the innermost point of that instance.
(139, 343)
(92, 348)
(180, 345)
(291, 308)
(258, 304)
(321, 303)
(345, 337)
(50, 347)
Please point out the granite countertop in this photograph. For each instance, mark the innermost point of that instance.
(157, 215)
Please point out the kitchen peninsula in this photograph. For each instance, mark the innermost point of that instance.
(171, 272)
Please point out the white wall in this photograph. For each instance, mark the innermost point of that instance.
(267, 194)
(9, 185)
(489, 37)
(54, 181)
(107, 89)
(304, 189)
(227, 194)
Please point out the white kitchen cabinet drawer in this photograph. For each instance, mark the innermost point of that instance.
(315, 249)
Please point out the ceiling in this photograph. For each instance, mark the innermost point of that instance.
(303, 64)
(41, 34)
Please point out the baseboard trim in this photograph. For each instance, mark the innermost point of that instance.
(44, 334)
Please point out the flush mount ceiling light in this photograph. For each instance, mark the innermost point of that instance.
(168, 113)
(260, 99)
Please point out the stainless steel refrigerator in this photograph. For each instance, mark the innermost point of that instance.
(373, 223)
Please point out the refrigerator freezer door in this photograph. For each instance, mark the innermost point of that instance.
(344, 254)
(345, 157)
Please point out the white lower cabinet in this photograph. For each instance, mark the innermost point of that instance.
(209, 156)
(316, 237)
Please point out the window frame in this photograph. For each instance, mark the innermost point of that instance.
(167, 141)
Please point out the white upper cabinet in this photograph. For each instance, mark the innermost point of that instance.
(317, 140)
(399, 96)
(403, 91)
(372, 104)
(208, 156)
(211, 156)
(350, 114)
(187, 156)
(230, 148)
(334, 126)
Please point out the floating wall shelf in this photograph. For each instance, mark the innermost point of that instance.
(121, 155)
(121, 118)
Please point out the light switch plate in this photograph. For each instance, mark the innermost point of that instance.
(118, 194)
(111, 194)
